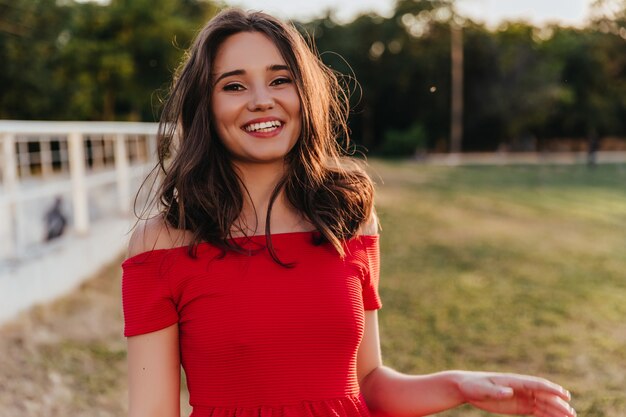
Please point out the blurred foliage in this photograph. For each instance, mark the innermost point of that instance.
(409, 142)
(524, 85)
(91, 61)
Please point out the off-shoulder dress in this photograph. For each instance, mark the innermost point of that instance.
(257, 338)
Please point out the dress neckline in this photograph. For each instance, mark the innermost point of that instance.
(235, 238)
(272, 235)
(255, 238)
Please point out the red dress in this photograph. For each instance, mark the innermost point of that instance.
(256, 338)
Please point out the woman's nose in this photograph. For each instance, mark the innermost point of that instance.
(261, 100)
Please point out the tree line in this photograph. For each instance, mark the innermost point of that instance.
(524, 86)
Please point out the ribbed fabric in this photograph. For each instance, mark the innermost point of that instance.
(257, 338)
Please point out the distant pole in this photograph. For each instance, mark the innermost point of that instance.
(152, 148)
(45, 152)
(122, 173)
(456, 116)
(79, 188)
(10, 180)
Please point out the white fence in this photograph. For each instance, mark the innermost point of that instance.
(95, 169)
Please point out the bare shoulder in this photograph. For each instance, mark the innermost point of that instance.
(371, 226)
(155, 233)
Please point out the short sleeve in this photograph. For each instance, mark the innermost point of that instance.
(146, 297)
(371, 248)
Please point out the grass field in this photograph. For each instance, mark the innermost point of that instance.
(519, 269)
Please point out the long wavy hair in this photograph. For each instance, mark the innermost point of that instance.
(200, 190)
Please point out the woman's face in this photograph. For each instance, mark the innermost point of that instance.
(255, 104)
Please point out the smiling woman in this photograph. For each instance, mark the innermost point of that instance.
(282, 323)
(266, 152)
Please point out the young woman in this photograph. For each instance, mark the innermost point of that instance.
(260, 273)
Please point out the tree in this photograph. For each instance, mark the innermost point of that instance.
(89, 61)
(29, 33)
(123, 52)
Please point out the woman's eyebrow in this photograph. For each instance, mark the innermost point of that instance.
(229, 74)
(278, 67)
(273, 68)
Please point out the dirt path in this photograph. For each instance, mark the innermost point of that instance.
(67, 358)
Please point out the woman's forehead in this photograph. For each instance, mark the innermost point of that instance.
(247, 50)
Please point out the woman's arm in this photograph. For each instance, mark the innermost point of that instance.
(388, 392)
(154, 358)
(154, 374)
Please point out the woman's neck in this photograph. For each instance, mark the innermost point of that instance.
(260, 180)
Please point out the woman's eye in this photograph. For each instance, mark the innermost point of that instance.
(233, 87)
(282, 80)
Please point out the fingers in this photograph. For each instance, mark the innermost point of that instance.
(547, 405)
(516, 394)
(531, 383)
(536, 396)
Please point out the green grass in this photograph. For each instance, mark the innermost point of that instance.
(519, 269)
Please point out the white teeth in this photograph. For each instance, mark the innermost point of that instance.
(263, 127)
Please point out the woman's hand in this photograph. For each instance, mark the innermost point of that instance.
(514, 394)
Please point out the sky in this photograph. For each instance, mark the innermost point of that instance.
(567, 12)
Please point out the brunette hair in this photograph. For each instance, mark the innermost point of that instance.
(201, 191)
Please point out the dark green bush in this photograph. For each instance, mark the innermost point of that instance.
(408, 142)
